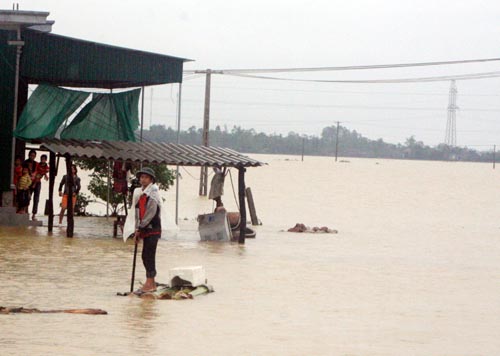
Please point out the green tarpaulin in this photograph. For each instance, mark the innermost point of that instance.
(112, 117)
(46, 110)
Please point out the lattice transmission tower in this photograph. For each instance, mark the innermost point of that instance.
(450, 138)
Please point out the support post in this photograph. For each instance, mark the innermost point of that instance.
(151, 110)
(52, 179)
(70, 184)
(108, 193)
(243, 210)
(142, 112)
(179, 100)
(125, 204)
(337, 142)
(206, 129)
(16, 98)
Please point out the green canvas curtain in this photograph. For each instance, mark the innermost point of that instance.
(46, 110)
(112, 117)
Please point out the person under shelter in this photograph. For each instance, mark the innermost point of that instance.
(217, 186)
(76, 190)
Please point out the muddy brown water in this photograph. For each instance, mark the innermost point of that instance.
(414, 270)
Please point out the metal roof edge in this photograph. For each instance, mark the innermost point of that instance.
(110, 46)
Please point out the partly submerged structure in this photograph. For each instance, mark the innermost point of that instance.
(148, 152)
(30, 54)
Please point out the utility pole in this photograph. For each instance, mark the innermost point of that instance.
(337, 142)
(206, 126)
(494, 154)
(303, 143)
(451, 125)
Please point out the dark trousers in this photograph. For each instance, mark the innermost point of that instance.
(149, 254)
(23, 199)
(36, 196)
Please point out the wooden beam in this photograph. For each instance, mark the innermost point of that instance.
(243, 210)
(251, 207)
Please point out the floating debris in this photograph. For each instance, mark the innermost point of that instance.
(21, 310)
(299, 227)
(164, 291)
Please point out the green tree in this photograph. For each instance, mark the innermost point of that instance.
(351, 143)
(82, 201)
(98, 185)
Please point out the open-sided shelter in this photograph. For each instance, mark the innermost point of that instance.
(150, 152)
(31, 55)
(64, 61)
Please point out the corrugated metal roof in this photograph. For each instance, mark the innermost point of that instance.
(151, 152)
(66, 61)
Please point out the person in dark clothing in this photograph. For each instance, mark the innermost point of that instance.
(31, 163)
(76, 190)
(148, 224)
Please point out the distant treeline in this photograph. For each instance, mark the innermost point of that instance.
(351, 144)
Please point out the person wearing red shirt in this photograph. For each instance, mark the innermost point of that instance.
(41, 171)
(18, 169)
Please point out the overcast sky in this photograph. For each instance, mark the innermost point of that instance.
(276, 34)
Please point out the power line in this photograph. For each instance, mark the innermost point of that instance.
(360, 107)
(339, 91)
(341, 68)
(483, 75)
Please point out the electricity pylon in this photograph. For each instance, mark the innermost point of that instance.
(451, 124)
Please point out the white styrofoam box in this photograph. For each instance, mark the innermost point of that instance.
(193, 275)
(214, 227)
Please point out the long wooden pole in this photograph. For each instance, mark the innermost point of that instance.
(251, 206)
(133, 268)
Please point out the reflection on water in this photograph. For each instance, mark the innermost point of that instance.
(413, 270)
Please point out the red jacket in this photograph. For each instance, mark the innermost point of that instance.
(18, 173)
(40, 171)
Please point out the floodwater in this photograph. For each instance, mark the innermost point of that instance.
(414, 270)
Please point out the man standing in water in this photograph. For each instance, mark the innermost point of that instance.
(147, 224)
